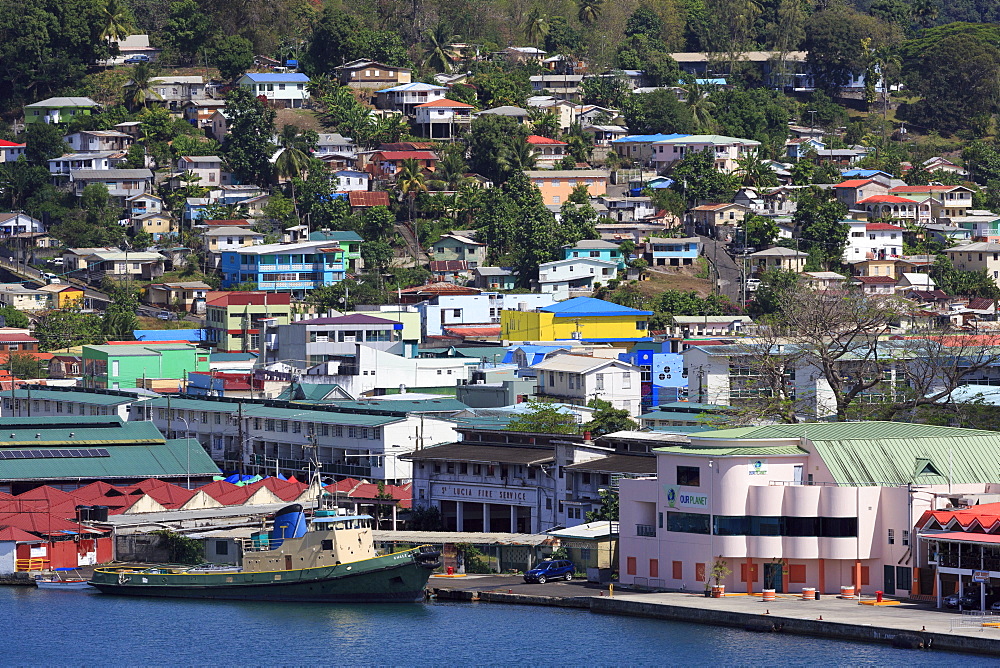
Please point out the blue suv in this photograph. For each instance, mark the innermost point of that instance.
(551, 569)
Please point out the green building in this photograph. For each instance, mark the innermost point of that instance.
(155, 366)
(58, 109)
(349, 241)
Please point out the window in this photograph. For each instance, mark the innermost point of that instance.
(905, 537)
(352, 432)
(892, 536)
(600, 381)
(689, 476)
(688, 523)
(296, 427)
(797, 573)
(626, 381)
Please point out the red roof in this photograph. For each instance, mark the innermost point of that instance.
(972, 537)
(446, 104)
(15, 535)
(10, 144)
(886, 199)
(440, 288)
(853, 183)
(449, 265)
(877, 227)
(17, 338)
(366, 198)
(874, 280)
(392, 156)
(538, 139)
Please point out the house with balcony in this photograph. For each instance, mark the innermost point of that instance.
(628, 209)
(458, 247)
(548, 152)
(557, 185)
(318, 340)
(288, 90)
(641, 148)
(982, 225)
(10, 151)
(442, 119)
(208, 168)
(219, 240)
(873, 241)
(726, 150)
(364, 73)
(173, 91)
(779, 257)
(23, 298)
(99, 141)
(296, 268)
(663, 252)
(494, 278)
(576, 379)
(335, 144)
(140, 205)
(349, 241)
(157, 225)
(406, 97)
(234, 321)
(559, 86)
(199, 112)
(116, 263)
(478, 313)
(596, 249)
(953, 201)
(58, 109)
(893, 207)
(61, 167)
(386, 164)
(121, 183)
(719, 221)
(574, 277)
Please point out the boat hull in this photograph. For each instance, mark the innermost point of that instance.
(391, 578)
(67, 585)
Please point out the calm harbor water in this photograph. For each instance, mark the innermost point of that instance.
(78, 628)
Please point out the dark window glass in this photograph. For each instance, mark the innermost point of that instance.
(687, 522)
(689, 476)
(839, 527)
(801, 526)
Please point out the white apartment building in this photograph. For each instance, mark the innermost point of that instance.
(285, 89)
(574, 277)
(727, 150)
(872, 241)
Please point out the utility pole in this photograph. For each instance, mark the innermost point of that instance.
(239, 427)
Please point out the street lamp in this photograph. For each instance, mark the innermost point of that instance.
(187, 446)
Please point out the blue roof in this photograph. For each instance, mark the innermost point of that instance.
(579, 307)
(647, 138)
(294, 77)
(232, 357)
(416, 86)
(863, 173)
(710, 82)
(192, 335)
(334, 235)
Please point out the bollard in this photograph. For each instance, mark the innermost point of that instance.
(510, 591)
(451, 570)
(611, 590)
(878, 597)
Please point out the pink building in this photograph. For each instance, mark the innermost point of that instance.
(821, 505)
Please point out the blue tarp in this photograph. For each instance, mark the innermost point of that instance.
(192, 335)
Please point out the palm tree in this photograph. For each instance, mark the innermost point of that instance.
(410, 182)
(320, 85)
(116, 21)
(536, 26)
(546, 123)
(519, 155)
(438, 56)
(755, 172)
(451, 169)
(700, 107)
(589, 11)
(140, 88)
(924, 11)
(292, 162)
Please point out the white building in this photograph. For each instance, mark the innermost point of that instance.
(573, 277)
(174, 90)
(576, 379)
(347, 180)
(872, 241)
(406, 97)
(10, 151)
(65, 164)
(285, 89)
(442, 119)
(335, 144)
(482, 310)
(208, 168)
(99, 140)
(727, 150)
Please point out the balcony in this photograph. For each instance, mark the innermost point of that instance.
(646, 530)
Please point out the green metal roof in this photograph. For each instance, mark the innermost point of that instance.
(442, 405)
(885, 453)
(698, 418)
(74, 432)
(148, 460)
(60, 395)
(765, 451)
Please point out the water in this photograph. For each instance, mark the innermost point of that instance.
(79, 628)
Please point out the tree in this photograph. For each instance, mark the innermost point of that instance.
(606, 90)
(755, 172)
(802, 172)
(339, 38)
(500, 86)
(536, 26)
(248, 146)
(120, 322)
(818, 220)
(607, 419)
(20, 182)
(770, 294)
(232, 54)
(187, 30)
(834, 43)
(962, 283)
(760, 231)
(141, 87)
(589, 11)
(117, 20)
(66, 328)
(292, 162)
(410, 182)
(489, 137)
(696, 176)
(14, 318)
(438, 54)
(562, 37)
(43, 141)
(700, 105)
(517, 157)
(958, 79)
(608, 512)
(544, 417)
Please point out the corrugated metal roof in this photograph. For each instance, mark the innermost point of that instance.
(259, 411)
(484, 454)
(764, 451)
(58, 395)
(885, 453)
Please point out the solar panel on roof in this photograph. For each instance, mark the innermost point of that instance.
(53, 454)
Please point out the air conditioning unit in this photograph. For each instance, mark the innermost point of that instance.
(577, 336)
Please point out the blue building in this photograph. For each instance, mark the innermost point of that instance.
(661, 372)
(295, 268)
(662, 252)
(595, 249)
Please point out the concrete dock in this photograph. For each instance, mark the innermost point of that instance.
(908, 624)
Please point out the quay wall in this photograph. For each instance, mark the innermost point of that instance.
(752, 622)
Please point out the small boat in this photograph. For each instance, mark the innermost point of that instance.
(331, 560)
(60, 579)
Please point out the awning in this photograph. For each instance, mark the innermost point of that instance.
(963, 537)
(473, 331)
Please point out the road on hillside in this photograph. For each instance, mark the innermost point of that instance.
(725, 271)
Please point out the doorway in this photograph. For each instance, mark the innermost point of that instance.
(889, 580)
(773, 576)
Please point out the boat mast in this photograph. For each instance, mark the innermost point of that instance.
(315, 466)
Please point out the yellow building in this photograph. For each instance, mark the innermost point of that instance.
(155, 224)
(64, 296)
(581, 318)
(557, 185)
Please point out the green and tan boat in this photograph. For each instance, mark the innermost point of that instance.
(333, 560)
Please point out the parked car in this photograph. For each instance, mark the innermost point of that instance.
(551, 569)
(138, 58)
(166, 315)
(967, 601)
